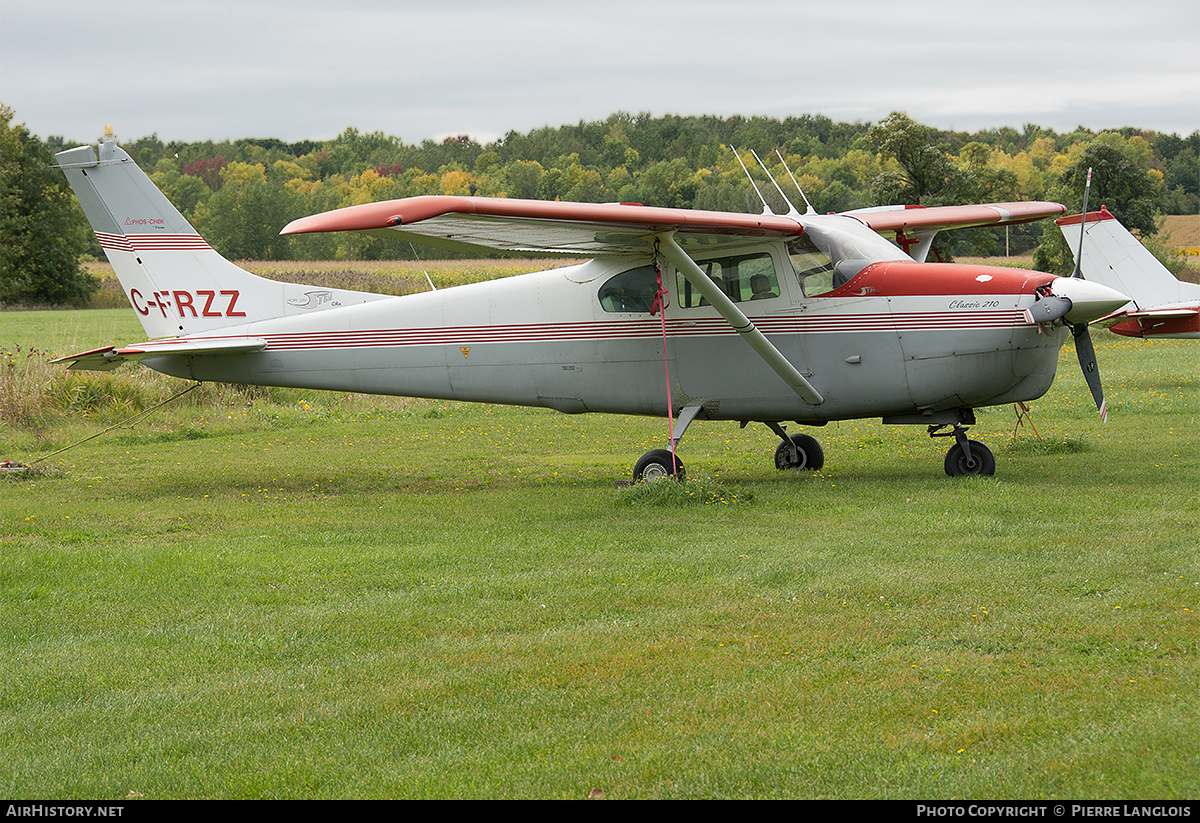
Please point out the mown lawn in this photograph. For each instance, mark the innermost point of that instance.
(296, 594)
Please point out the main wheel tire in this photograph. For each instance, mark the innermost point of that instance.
(656, 464)
(981, 464)
(809, 454)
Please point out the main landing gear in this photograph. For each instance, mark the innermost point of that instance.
(966, 458)
(799, 451)
(657, 463)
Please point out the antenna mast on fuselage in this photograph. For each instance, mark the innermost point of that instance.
(792, 210)
(808, 209)
(766, 207)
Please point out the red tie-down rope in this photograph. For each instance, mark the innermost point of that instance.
(661, 301)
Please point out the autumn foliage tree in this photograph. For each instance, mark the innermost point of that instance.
(240, 193)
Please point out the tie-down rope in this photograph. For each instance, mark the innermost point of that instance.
(661, 301)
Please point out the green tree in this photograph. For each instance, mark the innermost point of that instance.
(243, 219)
(1128, 191)
(524, 178)
(42, 230)
(919, 152)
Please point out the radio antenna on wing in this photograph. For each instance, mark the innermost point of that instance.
(766, 207)
(792, 210)
(807, 205)
(417, 257)
(1087, 189)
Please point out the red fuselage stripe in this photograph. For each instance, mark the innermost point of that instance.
(567, 332)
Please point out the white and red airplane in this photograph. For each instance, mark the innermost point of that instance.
(680, 313)
(1161, 304)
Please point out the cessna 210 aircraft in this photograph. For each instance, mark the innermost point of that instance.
(680, 313)
(1161, 305)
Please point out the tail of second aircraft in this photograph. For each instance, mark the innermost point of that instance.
(175, 281)
(1111, 255)
(1162, 305)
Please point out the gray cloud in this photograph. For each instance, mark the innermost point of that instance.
(307, 70)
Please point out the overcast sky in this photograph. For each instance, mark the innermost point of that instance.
(192, 70)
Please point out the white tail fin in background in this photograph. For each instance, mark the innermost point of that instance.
(1114, 257)
(175, 281)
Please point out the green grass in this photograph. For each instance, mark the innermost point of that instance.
(297, 594)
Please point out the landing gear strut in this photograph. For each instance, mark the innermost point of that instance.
(966, 458)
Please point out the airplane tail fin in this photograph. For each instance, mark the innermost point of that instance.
(1113, 257)
(175, 281)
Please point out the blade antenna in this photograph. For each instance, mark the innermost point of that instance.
(417, 257)
(792, 210)
(1087, 189)
(808, 209)
(766, 208)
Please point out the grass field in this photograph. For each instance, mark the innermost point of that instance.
(287, 594)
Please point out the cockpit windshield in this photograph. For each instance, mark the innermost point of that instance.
(834, 249)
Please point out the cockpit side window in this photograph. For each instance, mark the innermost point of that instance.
(813, 267)
(632, 291)
(742, 277)
(831, 252)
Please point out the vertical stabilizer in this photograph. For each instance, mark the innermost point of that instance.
(1114, 257)
(175, 281)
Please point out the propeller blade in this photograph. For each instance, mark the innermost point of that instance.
(1083, 338)
(1047, 309)
(1091, 371)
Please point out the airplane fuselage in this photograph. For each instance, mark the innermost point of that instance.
(900, 338)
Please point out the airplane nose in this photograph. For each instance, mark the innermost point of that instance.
(1089, 301)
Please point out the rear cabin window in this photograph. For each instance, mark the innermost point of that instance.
(743, 278)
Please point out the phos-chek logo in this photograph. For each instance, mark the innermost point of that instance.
(201, 303)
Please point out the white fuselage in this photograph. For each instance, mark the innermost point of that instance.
(545, 339)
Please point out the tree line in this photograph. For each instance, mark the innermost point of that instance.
(240, 193)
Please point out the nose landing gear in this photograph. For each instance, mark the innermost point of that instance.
(966, 458)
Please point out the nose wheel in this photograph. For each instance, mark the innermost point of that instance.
(966, 458)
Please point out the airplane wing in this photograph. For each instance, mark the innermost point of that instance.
(916, 226)
(109, 357)
(597, 229)
(919, 219)
(543, 227)
(591, 229)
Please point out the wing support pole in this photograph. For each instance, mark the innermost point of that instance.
(733, 315)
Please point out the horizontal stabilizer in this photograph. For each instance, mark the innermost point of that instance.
(109, 357)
